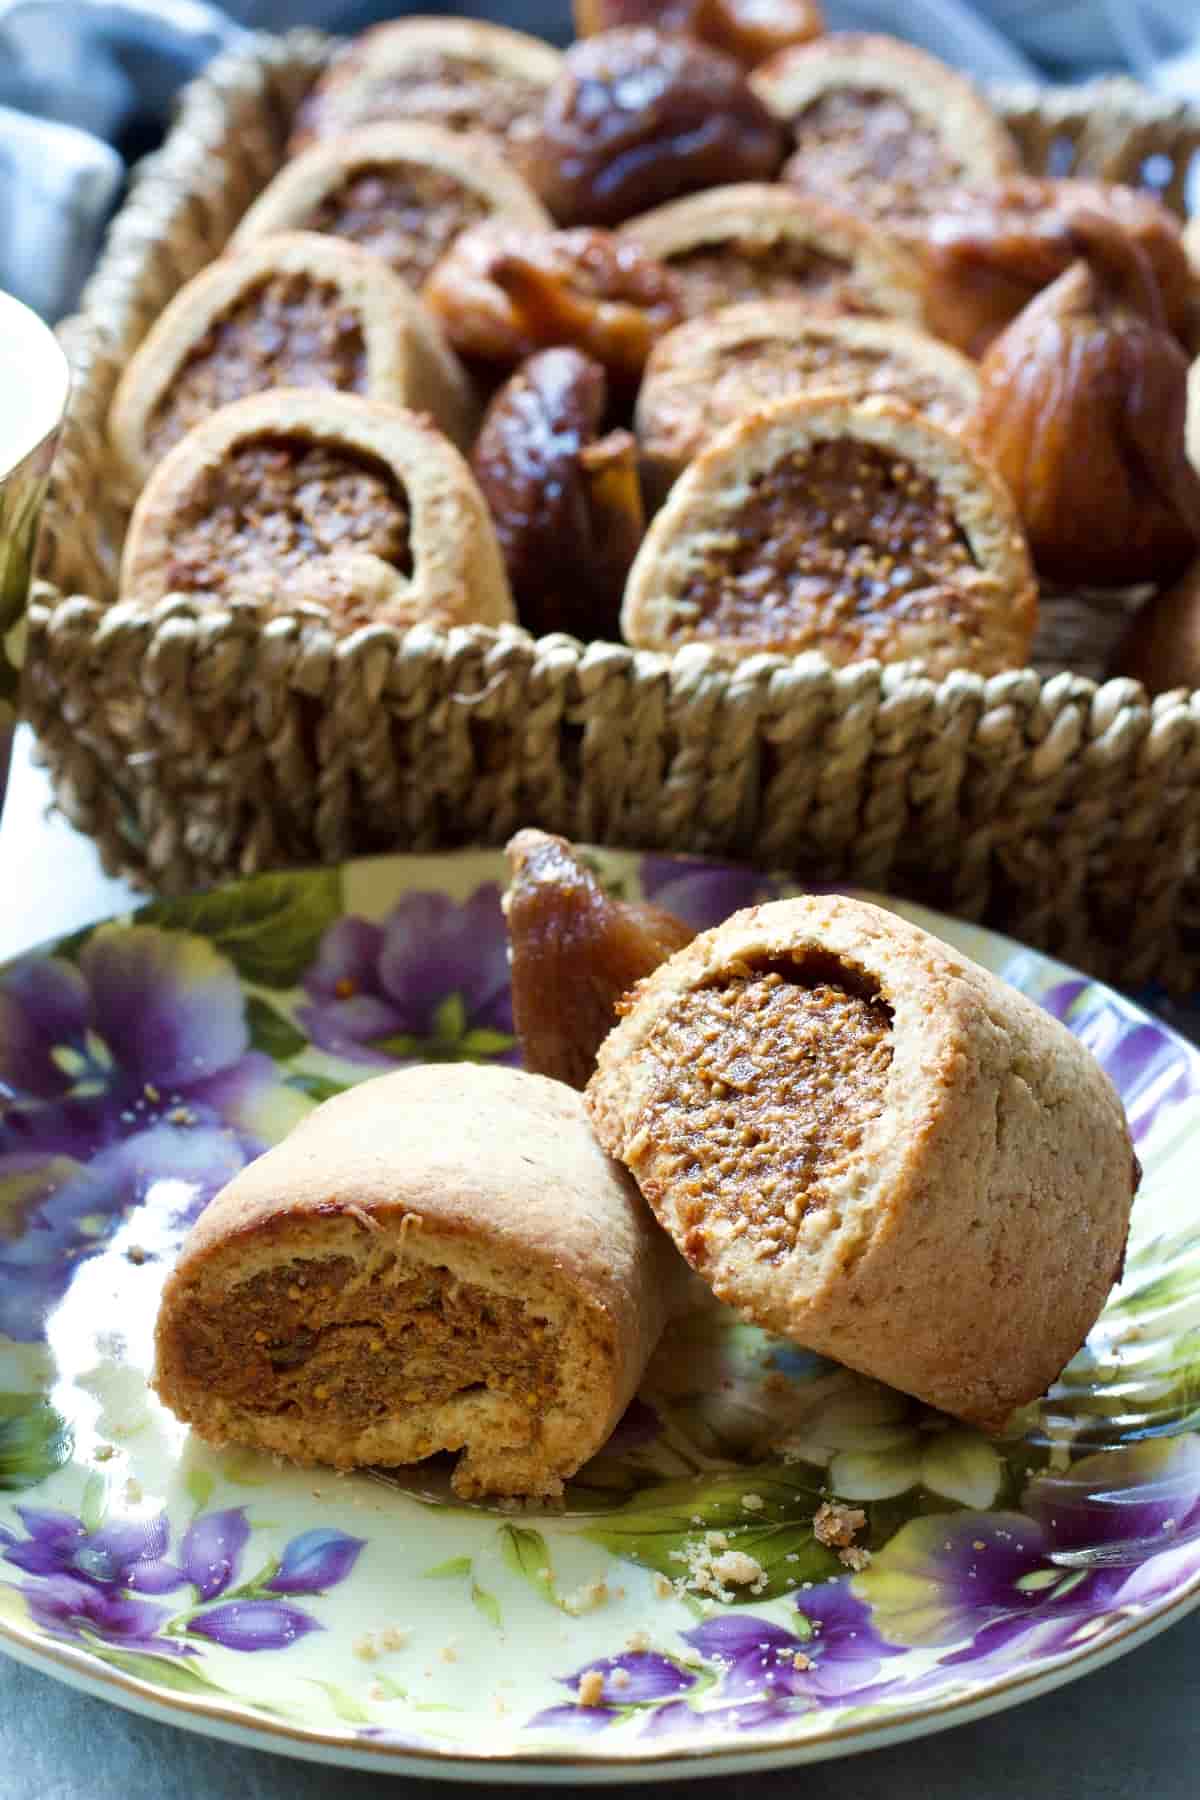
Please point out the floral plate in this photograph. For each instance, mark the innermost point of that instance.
(373, 1620)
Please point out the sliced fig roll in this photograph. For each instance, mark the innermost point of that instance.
(293, 495)
(704, 375)
(853, 527)
(757, 241)
(402, 191)
(464, 74)
(873, 1146)
(298, 310)
(881, 128)
(442, 1259)
(577, 951)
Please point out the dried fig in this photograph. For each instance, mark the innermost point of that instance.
(636, 118)
(576, 951)
(750, 30)
(565, 499)
(503, 292)
(987, 252)
(1161, 648)
(1082, 409)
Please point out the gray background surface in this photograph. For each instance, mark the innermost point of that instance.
(1131, 1729)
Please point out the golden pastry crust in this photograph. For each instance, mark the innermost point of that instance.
(954, 1225)
(402, 191)
(932, 127)
(209, 523)
(439, 1259)
(705, 374)
(388, 344)
(466, 74)
(757, 240)
(853, 527)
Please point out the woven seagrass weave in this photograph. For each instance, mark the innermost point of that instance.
(193, 743)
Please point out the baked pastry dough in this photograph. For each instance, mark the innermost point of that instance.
(465, 74)
(295, 310)
(707, 373)
(402, 191)
(295, 496)
(856, 528)
(881, 128)
(865, 1142)
(758, 241)
(441, 1259)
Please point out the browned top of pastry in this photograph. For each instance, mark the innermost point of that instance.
(857, 528)
(881, 127)
(294, 495)
(747, 30)
(402, 191)
(757, 241)
(709, 372)
(292, 310)
(466, 74)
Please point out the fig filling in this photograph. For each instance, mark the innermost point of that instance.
(324, 1336)
(720, 274)
(727, 382)
(407, 213)
(859, 147)
(275, 507)
(289, 331)
(839, 534)
(776, 1075)
(460, 93)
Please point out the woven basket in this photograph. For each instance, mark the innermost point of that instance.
(193, 743)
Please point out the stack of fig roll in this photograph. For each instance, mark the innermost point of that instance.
(718, 330)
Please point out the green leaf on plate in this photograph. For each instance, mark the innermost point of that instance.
(94, 1504)
(34, 1441)
(269, 926)
(199, 1487)
(317, 1087)
(344, 1705)
(778, 1535)
(386, 1689)
(246, 1468)
(525, 1552)
(271, 1032)
(457, 1565)
(161, 1671)
(486, 1603)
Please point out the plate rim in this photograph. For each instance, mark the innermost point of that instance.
(77, 1669)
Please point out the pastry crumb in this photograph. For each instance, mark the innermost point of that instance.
(104, 1452)
(449, 1652)
(133, 1491)
(393, 1637)
(800, 1661)
(663, 1587)
(854, 1557)
(753, 1502)
(835, 1524)
(591, 1688)
(736, 1567)
(637, 1641)
(365, 1647)
(136, 1255)
(587, 1598)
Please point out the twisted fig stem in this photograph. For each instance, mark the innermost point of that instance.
(1119, 262)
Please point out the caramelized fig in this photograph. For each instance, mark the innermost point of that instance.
(988, 251)
(503, 292)
(1082, 409)
(576, 952)
(564, 496)
(749, 30)
(1161, 647)
(636, 118)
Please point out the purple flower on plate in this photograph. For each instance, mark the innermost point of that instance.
(82, 1582)
(834, 1653)
(635, 1679)
(253, 1625)
(314, 1561)
(429, 984)
(703, 893)
(56, 1211)
(1150, 1067)
(127, 1073)
(126, 1553)
(65, 1607)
